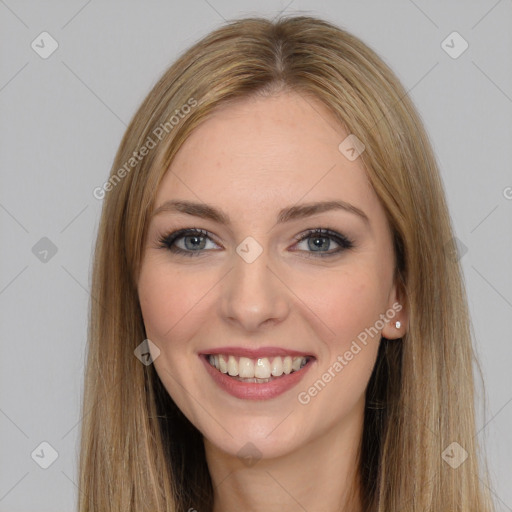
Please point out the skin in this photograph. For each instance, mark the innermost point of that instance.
(251, 159)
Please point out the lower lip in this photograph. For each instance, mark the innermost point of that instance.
(253, 390)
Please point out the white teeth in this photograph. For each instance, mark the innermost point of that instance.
(262, 368)
(246, 368)
(287, 365)
(223, 364)
(277, 367)
(232, 366)
(296, 364)
(256, 370)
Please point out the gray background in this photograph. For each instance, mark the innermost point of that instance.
(62, 119)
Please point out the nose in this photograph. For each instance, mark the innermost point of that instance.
(253, 295)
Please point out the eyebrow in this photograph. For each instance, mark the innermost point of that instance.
(285, 215)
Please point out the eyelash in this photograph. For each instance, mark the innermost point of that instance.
(167, 241)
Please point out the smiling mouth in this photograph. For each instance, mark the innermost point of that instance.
(259, 370)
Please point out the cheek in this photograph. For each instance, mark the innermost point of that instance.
(172, 308)
(166, 300)
(350, 305)
(157, 304)
(345, 303)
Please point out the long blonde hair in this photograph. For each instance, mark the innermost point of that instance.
(138, 451)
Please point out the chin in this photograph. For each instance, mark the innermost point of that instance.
(251, 439)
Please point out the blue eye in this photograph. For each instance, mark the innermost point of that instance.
(194, 242)
(319, 239)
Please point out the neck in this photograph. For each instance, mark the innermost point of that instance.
(322, 475)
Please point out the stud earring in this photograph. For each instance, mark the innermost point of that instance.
(398, 324)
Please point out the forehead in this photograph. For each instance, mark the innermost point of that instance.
(259, 154)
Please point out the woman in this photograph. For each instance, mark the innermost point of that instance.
(279, 320)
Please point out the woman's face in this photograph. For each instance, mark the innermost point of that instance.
(299, 320)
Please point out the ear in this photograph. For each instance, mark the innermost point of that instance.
(397, 311)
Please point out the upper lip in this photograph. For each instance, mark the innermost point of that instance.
(255, 353)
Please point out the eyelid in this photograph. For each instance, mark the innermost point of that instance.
(167, 241)
(172, 236)
(344, 242)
